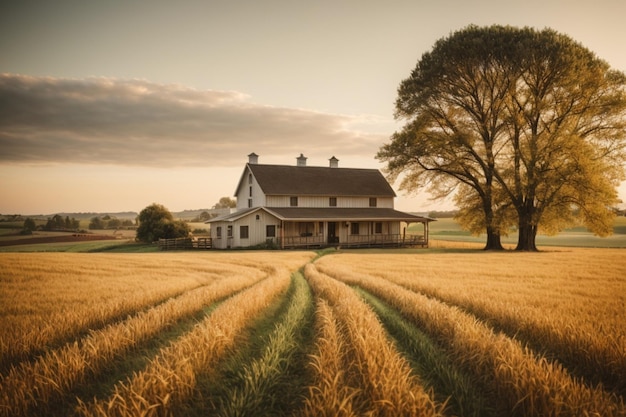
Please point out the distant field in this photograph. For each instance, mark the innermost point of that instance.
(364, 332)
(449, 230)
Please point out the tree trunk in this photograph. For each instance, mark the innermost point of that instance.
(493, 240)
(527, 234)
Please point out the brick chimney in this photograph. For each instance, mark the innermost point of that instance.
(334, 162)
(301, 160)
(253, 158)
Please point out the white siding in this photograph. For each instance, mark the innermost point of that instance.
(243, 193)
(256, 230)
(324, 201)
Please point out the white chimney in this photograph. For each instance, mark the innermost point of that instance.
(253, 158)
(334, 162)
(301, 160)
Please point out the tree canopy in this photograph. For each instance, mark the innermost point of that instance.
(225, 202)
(525, 127)
(156, 222)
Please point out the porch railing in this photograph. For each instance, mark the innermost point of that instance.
(382, 240)
(185, 243)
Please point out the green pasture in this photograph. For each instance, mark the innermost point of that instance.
(449, 230)
(89, 246)
(442, 229)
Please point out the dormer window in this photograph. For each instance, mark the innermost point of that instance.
(373, 202)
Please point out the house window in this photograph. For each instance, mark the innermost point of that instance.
(249, 203)
(372, 201)
(293, 201)
(378, 227)
(354, 228)
(270, 230)
(250, 191)
(332, 201)
(243, 232)
(229, 231)
(218, 231)
(306, 228)
(249, 178)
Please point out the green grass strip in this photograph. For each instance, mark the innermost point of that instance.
(435, 369)
(274, 383)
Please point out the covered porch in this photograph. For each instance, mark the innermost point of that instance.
(348, 228)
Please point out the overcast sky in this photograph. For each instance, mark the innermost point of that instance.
(113, 105)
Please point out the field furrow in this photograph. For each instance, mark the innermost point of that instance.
(39, 313)
(59, 371)
(273, 382)
(331, 394)
(355, 333)
(569, 305)
(520, 383)
(385, 385)
(436, 369)
(170, 378)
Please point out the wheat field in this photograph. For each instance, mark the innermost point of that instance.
(453, 332)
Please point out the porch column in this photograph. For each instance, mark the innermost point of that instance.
(282, 234)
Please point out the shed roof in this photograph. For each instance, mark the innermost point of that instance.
(320, 181)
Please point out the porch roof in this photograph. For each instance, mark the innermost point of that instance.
(344, 214)
(328, 214)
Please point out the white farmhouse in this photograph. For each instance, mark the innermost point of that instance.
(304, 206)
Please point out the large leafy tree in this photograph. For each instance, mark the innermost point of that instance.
(157, 222)
(526, 126)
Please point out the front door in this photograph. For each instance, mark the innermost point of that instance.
(332, 233)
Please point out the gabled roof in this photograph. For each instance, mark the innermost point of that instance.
(319, 181)
(234, 216)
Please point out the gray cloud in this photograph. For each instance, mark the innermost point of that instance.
(139, 123)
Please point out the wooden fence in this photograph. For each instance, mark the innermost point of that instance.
(357, 241)
(185, 243)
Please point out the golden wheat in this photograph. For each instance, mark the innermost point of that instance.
(170, 378)
(523, 385)
(48, 298)
(58, 371)
(568, 302)
(388, 387)
(331, 395)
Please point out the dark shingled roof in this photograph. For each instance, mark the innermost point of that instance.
(328, 214)
(344, 214)
(303, 180)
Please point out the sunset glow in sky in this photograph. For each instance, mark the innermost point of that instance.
(110, 106)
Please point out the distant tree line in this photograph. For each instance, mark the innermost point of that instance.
(55, 223)
(109, 222)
